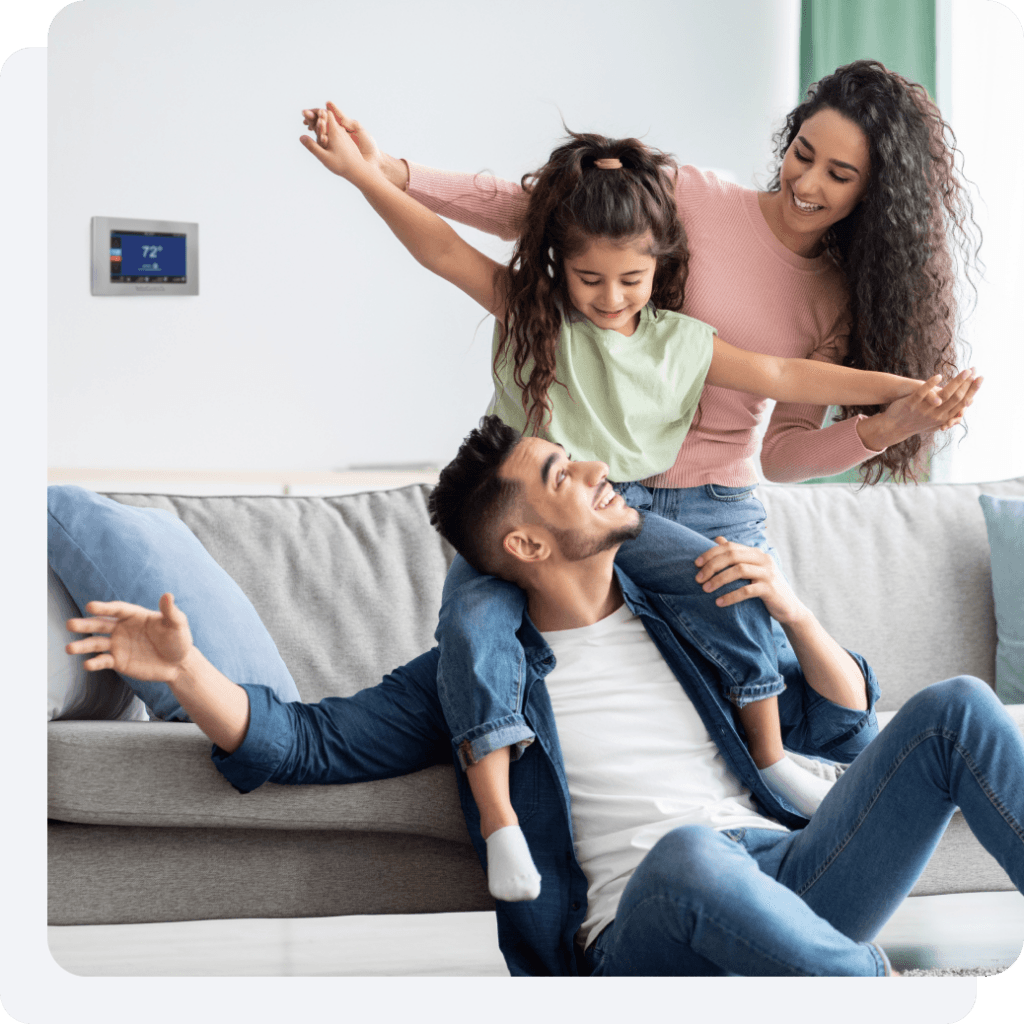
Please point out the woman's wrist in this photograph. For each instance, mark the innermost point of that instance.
(876, 433)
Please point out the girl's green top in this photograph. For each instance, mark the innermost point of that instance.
(626, 401)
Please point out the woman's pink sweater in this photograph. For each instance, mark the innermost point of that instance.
(745, 283)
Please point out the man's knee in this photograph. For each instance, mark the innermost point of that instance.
(959, 692)
(953, 702)
(690, 851)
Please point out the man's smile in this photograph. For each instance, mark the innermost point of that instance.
(604, 496)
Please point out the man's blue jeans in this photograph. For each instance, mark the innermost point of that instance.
(481, 671)
(761, 902)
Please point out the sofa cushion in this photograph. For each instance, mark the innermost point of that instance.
(1004, 518)
(104, 550)
(349, 587)
(900, 574)
(160, 774)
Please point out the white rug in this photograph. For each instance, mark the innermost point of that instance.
(954, 972)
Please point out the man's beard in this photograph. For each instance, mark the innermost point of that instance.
(575, 549)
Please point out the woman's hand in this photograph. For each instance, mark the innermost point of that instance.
(919, 412)
(334, 147)
(140, 643)
(315, 119)
(961, 397)
(731, 561)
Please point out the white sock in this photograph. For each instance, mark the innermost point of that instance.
(796, 785)
(511, 874)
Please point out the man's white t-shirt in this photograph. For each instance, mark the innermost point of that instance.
(638, 760)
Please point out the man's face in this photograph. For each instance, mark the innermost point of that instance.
(573, 501)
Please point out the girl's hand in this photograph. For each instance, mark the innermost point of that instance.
(926, 409)
(731, 561)
(334, 145)
(140, 643)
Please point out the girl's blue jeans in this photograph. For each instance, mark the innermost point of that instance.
(761, 902)
(482, 667)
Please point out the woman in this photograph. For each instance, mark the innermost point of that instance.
(849, 257)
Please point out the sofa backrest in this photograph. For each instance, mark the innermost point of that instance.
(349, 587)
(900, 574)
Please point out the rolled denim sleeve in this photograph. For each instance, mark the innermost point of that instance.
(390, 729)
(816, 726)
(482, 666)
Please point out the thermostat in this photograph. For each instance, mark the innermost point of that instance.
(144, 257)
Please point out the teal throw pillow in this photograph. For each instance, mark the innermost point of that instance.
(105, 551)
(1004, 518)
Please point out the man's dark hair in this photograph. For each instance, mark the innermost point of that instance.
(471, 500)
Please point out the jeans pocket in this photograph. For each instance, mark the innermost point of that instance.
(718, 493)
(636, 495)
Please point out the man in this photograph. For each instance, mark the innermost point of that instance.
(661, 850)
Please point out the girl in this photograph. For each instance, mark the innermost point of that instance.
(589, 350)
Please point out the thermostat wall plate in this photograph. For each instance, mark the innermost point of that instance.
(144, 257)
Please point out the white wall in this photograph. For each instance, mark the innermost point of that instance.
(987, 112)
(316, 342)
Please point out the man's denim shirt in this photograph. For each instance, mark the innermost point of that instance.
(397, 727)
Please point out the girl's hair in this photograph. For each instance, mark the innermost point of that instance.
(900, 248)
(572, 201)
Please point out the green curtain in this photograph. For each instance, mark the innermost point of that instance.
(899, 33)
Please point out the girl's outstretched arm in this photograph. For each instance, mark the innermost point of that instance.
(813, 380)
(431, 241)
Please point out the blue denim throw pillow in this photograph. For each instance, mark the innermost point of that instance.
(1004, 518)
(105, 551)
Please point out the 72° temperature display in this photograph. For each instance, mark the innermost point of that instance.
(145, 256)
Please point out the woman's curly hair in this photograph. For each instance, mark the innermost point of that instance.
(571, 201)
(901, 247)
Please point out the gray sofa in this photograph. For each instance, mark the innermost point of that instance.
(144, 828)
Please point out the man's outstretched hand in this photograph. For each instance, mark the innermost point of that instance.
(157, 647)
(135, 641)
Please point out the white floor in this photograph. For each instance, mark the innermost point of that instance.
(968, 930)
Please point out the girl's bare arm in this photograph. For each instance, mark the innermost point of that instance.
(431, 241)
(809, 380)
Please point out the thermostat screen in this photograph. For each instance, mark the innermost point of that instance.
(145, 256)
